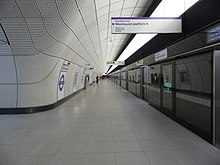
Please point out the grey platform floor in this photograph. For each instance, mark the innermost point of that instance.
(102, 125)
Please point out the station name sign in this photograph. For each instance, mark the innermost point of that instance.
(213, 34)
(161, 55)
(129, 25)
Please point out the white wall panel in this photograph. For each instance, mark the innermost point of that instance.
(42, 93)
(103, 25)
(63, 51)
(56, 50)
(7, 70)
(75, 78)
(100, 3)
(69, 81)
(116, 6)
(8, 96)
(102, 18)
(79, 82)
(130, 3)
(92, 77)
(34, 68)
(115, 1)
(103, 11)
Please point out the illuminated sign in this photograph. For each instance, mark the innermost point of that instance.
(129, 25)
(167, 84)
(115, 62)
(213, 34)
(140, 62)
(110, 62)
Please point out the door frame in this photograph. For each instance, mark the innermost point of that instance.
(171, 113)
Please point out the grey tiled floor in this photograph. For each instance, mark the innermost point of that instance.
(102, 125)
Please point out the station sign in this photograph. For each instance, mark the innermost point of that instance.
(213, 34)
(134, 25)
(161, 55)
(115, 63)
(62, 80)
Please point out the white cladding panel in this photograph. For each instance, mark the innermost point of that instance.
(41, 93)
(8, 96)
(36, 68)
(7, 70)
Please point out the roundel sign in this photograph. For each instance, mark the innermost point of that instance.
(61, 82)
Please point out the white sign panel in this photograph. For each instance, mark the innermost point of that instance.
(61, 85)
(61, 81)
(161, 55)
(124, 25)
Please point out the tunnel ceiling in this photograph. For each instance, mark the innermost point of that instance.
(75, 30)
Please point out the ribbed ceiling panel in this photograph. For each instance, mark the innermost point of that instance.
(47, 8)
(9, 9)
(41, 39)
(28, 8)
(19, 36)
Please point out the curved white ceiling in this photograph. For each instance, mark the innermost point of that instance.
(75, 30)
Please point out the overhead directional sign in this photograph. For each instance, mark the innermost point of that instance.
(124, 25)
(140, 62)
(115, 62)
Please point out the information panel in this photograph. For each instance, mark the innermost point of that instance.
(125, 25)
